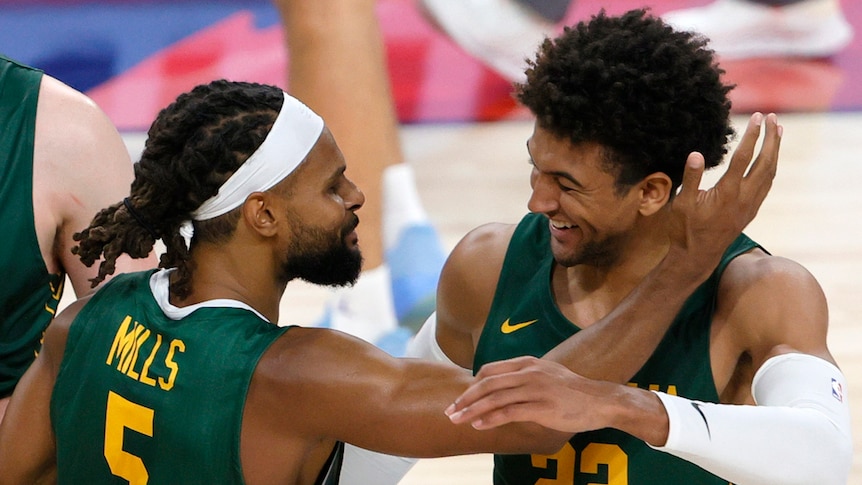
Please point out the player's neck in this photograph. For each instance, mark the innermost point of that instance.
(587, 292)
(224, 272)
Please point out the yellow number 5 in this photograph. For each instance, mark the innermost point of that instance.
(122, 414)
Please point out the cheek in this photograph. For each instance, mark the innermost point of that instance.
(609, 215)
(623, 214)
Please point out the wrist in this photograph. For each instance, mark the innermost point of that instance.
(680, 267)
(641, 414)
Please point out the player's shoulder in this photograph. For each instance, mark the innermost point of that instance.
(475, 262)
(764, 295)
(469, 277)
(72, 117)
(757, 268)
(57, 92)
(766, 301)
(76, 143)
(484, 243)
(303, 351)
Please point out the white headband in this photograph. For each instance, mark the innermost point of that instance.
(293, 134)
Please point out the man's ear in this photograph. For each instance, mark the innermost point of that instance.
(258, 213)
(655, 193)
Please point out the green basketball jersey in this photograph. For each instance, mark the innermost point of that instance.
(680, 366)
(144, 398)
(29, 295)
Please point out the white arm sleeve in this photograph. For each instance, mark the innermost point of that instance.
(424, 345)
(363, 467)
(799, 432)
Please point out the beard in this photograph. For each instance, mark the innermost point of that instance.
(601, 253)
(323, 258)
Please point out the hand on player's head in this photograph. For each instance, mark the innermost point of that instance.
(705, 222)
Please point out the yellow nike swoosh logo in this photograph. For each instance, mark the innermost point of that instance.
(508, 328)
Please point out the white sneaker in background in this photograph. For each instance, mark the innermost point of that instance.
(364, 310)
(500, 33)
(739, 29)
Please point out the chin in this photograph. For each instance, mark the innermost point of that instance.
(564, 257)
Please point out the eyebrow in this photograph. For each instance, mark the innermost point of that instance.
(561, 174)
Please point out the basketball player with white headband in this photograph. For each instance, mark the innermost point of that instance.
(180, 374)
(295, 130)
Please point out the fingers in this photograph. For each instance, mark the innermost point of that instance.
(745, 149)
(501, 389)
(510, 412)
(751, 189)
(505, 366)
(765, 166)
(691, 177)
(542, 392)
(486, 397)
(539, 391)
(491, 378)
(704, 222)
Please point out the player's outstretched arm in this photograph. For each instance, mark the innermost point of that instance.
(799, 433)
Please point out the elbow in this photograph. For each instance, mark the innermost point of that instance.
(827, 463)
(832, 464)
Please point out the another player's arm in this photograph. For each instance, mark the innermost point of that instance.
(348, 390)
(797, 433)
(775, 317)
(27, 445)
(77, 146)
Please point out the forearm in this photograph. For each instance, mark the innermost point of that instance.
(615, 347)
(799, 433)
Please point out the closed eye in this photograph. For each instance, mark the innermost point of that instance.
(564, 187)
(564, 180)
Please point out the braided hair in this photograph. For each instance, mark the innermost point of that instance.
(647, 93)
(192, 148)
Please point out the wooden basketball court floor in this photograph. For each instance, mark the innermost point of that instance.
(469, 174)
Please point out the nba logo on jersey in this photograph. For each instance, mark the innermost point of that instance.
(837, 391)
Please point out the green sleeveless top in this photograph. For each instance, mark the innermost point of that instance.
(680, 366)
(29, 295)
(145, 398)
